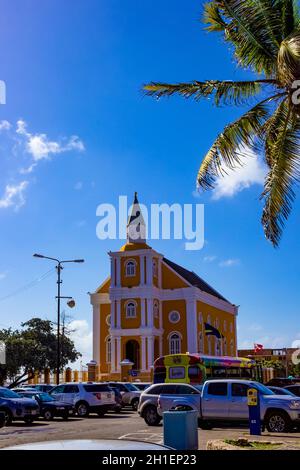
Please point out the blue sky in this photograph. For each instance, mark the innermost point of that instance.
(79, 133)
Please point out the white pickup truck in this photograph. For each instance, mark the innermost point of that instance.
(226, 401)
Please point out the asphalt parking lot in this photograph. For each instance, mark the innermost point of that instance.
(127, 425)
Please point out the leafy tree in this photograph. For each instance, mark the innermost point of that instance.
(33, 347)
(264, 36)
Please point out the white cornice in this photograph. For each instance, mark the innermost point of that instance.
(144, 251)
(147, 331)
(97, 299)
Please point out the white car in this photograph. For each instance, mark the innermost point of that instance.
(87, 397)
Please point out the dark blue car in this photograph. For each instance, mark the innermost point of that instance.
(49, 407)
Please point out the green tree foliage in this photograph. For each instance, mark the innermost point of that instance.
(34, 347)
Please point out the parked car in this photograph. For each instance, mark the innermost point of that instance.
(17, 408)
(118, 399)
(130, 393)
(149, 399)
(23, 389)
(87, 397)
(226, 401)
(38, 387)
(142, 385)
(91, 444)
(282, 382)
(281, 391)
(49, 407)
(295, 389)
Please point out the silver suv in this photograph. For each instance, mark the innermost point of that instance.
(130, 393)
(87, 397)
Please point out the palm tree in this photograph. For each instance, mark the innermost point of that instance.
(265, 38)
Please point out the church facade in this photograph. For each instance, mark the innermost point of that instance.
(150, 306)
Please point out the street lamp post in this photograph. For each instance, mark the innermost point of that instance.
(59, 268)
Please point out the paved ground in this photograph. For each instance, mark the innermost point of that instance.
(128, 425)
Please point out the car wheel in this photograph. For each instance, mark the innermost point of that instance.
(48, 415)
(135, 404)
(65, 416)
(205, 425)
(82, 409)
(151, 416)
(8, 417)
(28, 420)
(277, 421)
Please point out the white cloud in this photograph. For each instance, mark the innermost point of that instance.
(78, 185)
(209, 259)
(14, 196)
(227, 263)
(82, 336)
(5, 125)
(41, 148)
(253, 172)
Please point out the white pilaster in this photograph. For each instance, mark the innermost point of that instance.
(160, 315)
(149, 270)
(150, 352)
(112, 315)
(191, 320)
(150, 313)
(113, 354)
(143, 313)
(159, 273)
(112, 272)
(118, 271)
(142, 270)
(118, 314)
(96, 332)
(118, 339)
(143, 353)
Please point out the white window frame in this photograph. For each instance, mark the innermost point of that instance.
(175, 343)
(108, 320)
(108, 349)
(156, 309)
(130, 311)
(130, 268)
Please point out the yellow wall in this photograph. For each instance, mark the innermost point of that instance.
(179, 306)
(170, 280)
(130, 322)
(104, 289)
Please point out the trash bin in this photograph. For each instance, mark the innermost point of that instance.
(181, 429)
(2, 419)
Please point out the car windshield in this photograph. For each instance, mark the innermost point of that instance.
(132, 388)
(263, 389)
(6, 393)
(45, 397)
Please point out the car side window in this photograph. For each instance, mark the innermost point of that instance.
(168, 389)
(217, 389)
(239, 390)
(71, 389)
(58, 389)
(186, 390)
(157, 390)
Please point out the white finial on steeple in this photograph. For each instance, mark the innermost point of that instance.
(136, 227)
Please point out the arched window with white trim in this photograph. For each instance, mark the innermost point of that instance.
(175, 343)
(108, 349)
(130, 268)
(130, 309)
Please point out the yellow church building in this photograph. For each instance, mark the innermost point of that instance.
(150, 306)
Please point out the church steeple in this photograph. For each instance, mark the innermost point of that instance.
(136, 227)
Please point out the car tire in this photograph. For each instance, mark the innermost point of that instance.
(277, 421)
(8, 417)
(101, 413)
(151, 416)
(65, 416)
(135, 404)
(205, 425)
(48, 415)
(82, 409)
(28, 420)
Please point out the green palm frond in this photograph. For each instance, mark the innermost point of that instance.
(289, 18)
(225, 92)
(254, 27)
(278, 194)
(226, 150)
